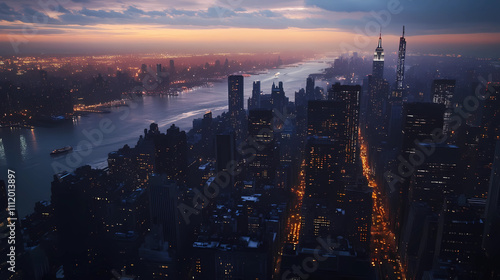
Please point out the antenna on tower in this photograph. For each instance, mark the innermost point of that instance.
(403, 30)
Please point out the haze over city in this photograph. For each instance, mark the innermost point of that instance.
(89, 26)
(249, 140)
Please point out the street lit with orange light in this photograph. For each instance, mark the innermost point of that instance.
(294, 219)
(384, 247)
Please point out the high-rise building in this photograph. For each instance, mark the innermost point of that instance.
(132, 166)
(300, 99)
(322, 214)
(378, 60)
(324, 169)
(81, 207)
(278, 97)
(459, 236)
(163, 208)
(358, 208)
(443, 91)
(254, 100)
(235, 98)
(376, 116)
(326, 118)
(377, 90)
(420, 121)
(172, 67)
(395, 104)
(310, 89)
(400, 70)
(260, 128)
(491, 237)
(490, 133)
(437, 177)
(225, 150)
(349, 96)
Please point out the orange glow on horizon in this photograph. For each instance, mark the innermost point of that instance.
(136, 36)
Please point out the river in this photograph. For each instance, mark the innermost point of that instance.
(27, 151)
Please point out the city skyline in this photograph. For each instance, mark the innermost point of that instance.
(302, 139)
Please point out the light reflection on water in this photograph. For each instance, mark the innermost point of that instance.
(28, 151)
(3, 159)
(23, 146)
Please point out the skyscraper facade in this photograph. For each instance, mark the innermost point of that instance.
(443, 91)
(235, 98)
(254, 100)
(400, 70)
(349, 97)
(260, 128)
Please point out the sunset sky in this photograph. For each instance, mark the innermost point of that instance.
(92, 26)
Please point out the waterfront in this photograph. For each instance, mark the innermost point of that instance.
(27, 151)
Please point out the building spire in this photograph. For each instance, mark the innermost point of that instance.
(380, 39)
(403, 31)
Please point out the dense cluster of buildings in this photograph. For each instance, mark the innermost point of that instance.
(348, 182)
(434, 167)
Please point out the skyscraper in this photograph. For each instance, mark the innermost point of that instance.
(421, 120)
(459, 235)
(235, 98)
(491, 242)
(278, 97)
(254, 100)
(163, 208)
(419, 123)
(378, 61)
(172, 67)
(322, 213)
(349, 96)
(310, 89)
(443, 91)
(326, 118)
(260, 127)
(377, 91)
(490, 133)
(171, 153)
(437, 177)
(224, 150)
(400, 70)
(396, 98)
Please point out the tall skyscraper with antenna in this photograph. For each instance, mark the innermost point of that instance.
(378, 90)
(400, 70)
(378, 60)
(397, 96)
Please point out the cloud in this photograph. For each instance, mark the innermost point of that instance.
(268, 13)
(218, 12)
(102, 13)
(348, 5)
(176, 12)
(6, 10)
(423, 17)
(131, 10)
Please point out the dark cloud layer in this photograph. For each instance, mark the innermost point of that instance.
(421, 16)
